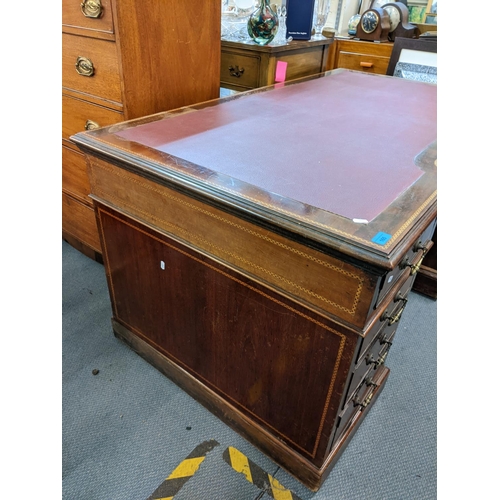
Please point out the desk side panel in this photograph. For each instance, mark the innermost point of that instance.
(327, 284)
(283, 366)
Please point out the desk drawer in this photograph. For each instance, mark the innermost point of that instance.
(76, 113)
(373, 359)
(389, 320)
(367, 63)
(412, 257)
(239, 70)
(361, 400)
(90, 66)
(87, 16)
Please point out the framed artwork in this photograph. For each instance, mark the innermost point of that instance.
(431, 12)
(414, 51)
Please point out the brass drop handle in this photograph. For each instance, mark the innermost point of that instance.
(400, 298)
(366, 64)
(369, 382)
(377, 362)
(84, 66)
(363, 403)
(92, 8)
(385, 340)
(236, 71)
(419, 246)
(395, 318)
(415, 268)
(91, 125)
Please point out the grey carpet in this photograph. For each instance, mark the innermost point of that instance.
(125, 429)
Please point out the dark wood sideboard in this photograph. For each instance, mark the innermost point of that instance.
(122, 59)
(267, 279)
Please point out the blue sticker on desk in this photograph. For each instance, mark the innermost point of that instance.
(381, 238)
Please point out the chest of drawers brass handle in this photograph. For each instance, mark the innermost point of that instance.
(92, 8)
(236, 71)
(84, 66)
(91, 125)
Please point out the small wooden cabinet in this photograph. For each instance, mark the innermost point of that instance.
(246, 66)
(122, 60)
(369, 57)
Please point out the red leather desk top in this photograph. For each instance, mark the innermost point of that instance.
(345, 145)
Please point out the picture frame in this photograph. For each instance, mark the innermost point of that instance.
(431, 12)
(412, 50)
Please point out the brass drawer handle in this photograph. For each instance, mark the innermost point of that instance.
(385, 340)
(84, 66)
(365, 402)
(415, 268)
(236, 71)
(366, 64)
(396, 317)
(92, 8)
(377, 362)
(91, 125)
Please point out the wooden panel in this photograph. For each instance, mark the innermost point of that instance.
(169, 52)
(242, 341)
(78, 220)
(247, 67)
(74, 21)
(302, 64)
(326, 283)
(74, 175)
(105, 82)
(76, 113)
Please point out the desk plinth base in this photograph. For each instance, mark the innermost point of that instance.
(293, 463)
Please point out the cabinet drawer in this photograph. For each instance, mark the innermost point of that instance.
(389, 319)
(361, 400)
(88, 17)
(78, 220)
(74, 175)
(239, 70)
(96, 58)
(363, 62)
(373, 359)
(76, 113)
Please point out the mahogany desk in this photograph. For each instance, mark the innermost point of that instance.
(259, 249)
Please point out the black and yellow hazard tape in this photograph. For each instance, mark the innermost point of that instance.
(255, 475)
(183, 472)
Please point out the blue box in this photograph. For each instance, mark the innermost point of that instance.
(299, 19)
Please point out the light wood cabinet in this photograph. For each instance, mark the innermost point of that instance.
(369, 57)
(123, 60)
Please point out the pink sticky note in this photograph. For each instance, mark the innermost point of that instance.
(280, 71)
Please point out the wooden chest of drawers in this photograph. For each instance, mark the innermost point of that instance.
(247, 66)
(122, 60)
(369, 57)
(268, 279)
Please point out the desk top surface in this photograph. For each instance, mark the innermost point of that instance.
(343, 156)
